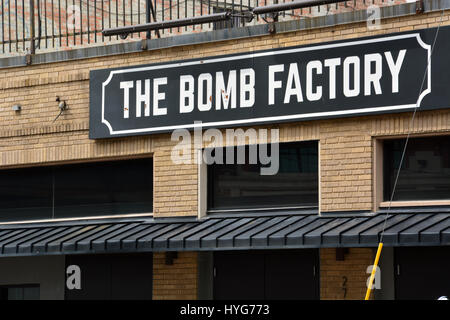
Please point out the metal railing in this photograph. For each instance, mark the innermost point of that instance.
(29, 26)
(63, 23)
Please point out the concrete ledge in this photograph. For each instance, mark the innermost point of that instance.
(222, 35)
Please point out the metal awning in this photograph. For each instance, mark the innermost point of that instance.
(230, 232)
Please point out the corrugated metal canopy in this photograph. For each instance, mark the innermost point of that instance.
(231, 232)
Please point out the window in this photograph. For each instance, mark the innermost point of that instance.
(25, 292)
(236, 186)
(425, 174)
(77, 190)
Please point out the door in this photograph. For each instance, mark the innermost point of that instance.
(238, 275)
(292, 275)
(281, 274)
(422, 272)
(112, 276)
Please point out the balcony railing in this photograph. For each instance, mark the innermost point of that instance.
(29, 26)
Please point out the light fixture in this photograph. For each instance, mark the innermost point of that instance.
(340, 253)
(170, 256)
(62, 107)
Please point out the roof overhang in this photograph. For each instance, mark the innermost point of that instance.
(227, 232)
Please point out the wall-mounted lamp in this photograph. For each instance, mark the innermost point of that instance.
(170, 256)
(62, 104)
(17, 107)
(62, 107)
(340, 253)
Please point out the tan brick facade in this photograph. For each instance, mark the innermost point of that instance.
(345, 279)
(346, 145)
(177, 281)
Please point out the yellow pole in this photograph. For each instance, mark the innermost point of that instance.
(374, 270)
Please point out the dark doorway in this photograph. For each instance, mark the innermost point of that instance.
(422, 273)
(111, 277)
(282, 274)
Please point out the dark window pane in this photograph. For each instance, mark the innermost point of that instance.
(25, 292)
(425, 174)
(26, 193)
(15, 294)
(77, 190)
(234, 186)
(31, 293)
(114, 187)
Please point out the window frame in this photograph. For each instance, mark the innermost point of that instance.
(205, 188)
(85, 161)
(378, 175)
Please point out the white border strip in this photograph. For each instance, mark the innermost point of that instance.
(121, 216)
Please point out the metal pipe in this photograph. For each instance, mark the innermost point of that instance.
(147, 27)
(150, 12)
(292, 5)
(32, 47)
(148, 18)
(153, 10)
(167, 24)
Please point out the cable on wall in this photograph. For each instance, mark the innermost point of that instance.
(380, 244)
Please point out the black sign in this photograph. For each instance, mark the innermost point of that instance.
(364, 76)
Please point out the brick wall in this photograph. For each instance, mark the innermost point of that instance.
(177, 281)
(353, 268)
(32, 138)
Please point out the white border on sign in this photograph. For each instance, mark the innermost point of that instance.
(276, 118)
